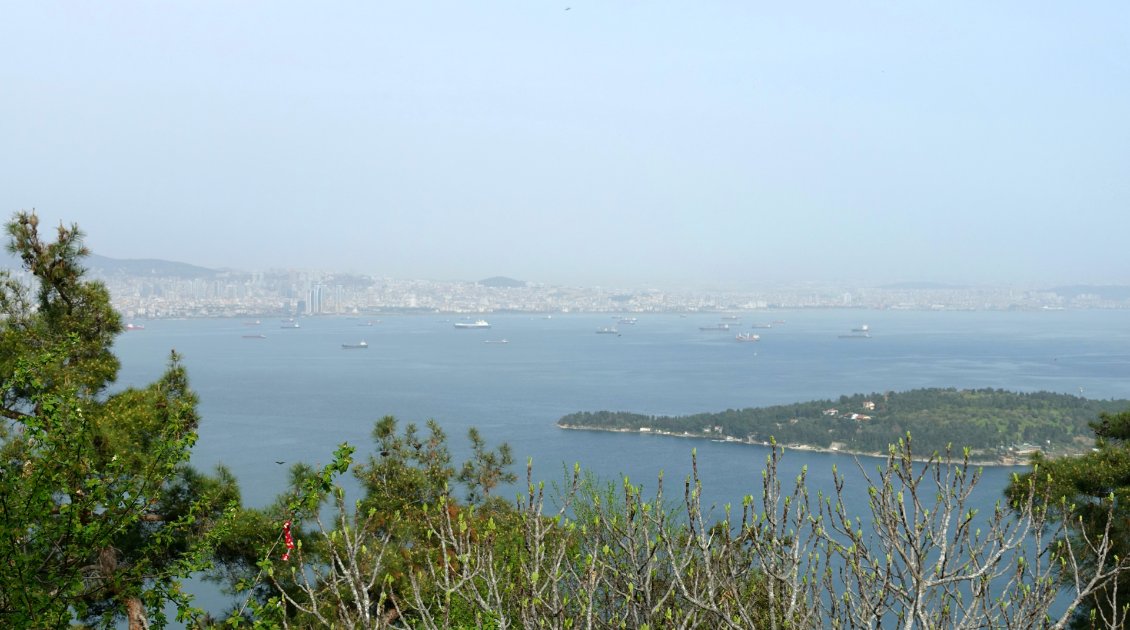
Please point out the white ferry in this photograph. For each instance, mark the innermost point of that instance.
(480, 323)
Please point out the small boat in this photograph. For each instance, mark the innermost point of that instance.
(863, 332)
(747, 337)
(355, 346)
(480, 323)
(290, 325)
(627, 320)
(607, 330)
(132, 326)
(762, 326)
(496, 341)
(255, 336)
(722, 327)
(252, 323)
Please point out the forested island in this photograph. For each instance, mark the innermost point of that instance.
(997, 425)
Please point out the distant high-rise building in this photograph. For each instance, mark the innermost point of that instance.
(314, 299)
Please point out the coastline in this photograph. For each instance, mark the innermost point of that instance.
(996, 463)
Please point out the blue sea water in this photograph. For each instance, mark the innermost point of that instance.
(295, 394)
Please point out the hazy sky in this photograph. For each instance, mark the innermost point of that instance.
(611, 142)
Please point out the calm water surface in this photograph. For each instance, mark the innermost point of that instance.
(296, 394)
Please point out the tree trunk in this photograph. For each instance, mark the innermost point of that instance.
(135, 613)
(135, 610)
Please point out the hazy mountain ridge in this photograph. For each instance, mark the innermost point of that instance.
(102, 265)
(146, 267)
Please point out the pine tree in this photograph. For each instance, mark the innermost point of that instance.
(1085, 492)
(100, 515)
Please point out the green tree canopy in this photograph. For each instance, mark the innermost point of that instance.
(1082, 491)
(99, 512)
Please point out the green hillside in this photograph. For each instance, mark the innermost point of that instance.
(994, 423)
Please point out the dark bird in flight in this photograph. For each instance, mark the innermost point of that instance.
(279, 463)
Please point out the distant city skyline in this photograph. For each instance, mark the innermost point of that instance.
(724, 283)
(169, 292)
(162, 280)
(614, 144)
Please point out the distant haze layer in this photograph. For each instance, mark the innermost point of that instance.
(594, 143)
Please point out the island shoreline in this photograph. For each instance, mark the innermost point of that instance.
(799, 447)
